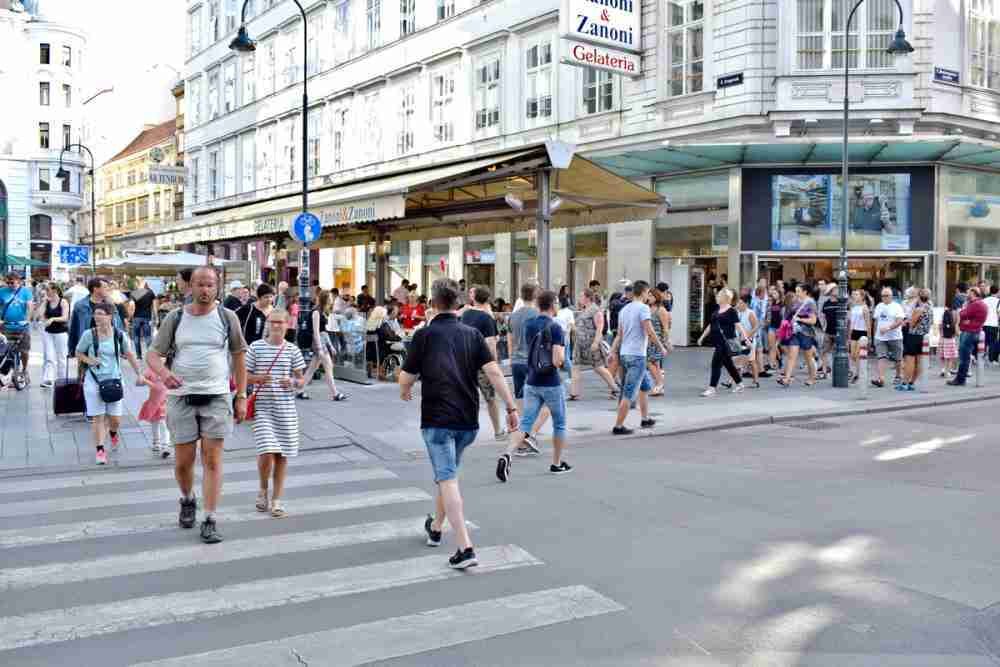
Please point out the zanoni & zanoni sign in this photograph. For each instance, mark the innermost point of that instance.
(616, 24)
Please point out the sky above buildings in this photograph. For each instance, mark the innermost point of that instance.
(130, 45)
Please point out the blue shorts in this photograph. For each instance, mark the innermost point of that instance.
(802, 341)
(637, 377)
(554, 398)
(519, 373)
(445, 447)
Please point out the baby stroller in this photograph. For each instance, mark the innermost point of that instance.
(11, 372)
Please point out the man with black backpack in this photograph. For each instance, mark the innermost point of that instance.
(543, 387)
(206, 345)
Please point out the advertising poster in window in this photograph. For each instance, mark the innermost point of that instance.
(807, 212)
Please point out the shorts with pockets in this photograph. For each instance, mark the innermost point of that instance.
(889, 349)
(189, 423)
(445, 447)
(96, 407)
(802, 341)
(637, 377)
(552, 397)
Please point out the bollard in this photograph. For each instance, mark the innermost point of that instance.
(925, 362)
(980, 349)
(863, 380)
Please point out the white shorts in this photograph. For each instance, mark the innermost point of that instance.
(95, 406)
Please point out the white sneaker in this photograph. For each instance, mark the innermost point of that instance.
(738, 389)
(708, 392)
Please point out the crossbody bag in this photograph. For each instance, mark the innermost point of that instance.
(252, 400)
(111, 390)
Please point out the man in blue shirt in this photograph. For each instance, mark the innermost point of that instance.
(542, 388)
(15, 308)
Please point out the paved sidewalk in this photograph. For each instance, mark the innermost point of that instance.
(375, 419)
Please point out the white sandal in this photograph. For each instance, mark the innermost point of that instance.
(278, 510)
(262, 501)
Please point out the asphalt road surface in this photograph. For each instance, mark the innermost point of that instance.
(858, 541)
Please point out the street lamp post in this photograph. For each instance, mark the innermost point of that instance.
(898, 46)
(242, 43)
(62, 173)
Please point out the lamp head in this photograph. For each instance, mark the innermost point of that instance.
(899, 46)
(62, 173)
(242, 41)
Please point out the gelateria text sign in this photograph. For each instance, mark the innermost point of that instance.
(591, 55)
(614, 24)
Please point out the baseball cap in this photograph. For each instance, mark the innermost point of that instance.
(236, 284)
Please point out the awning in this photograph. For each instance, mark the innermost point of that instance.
(158, 263)
(468, 191)
(17, 260)
(679, 157)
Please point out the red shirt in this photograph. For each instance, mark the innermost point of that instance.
(412, 315)
(972, 318)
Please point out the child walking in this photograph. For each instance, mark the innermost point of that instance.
(275, 367)
(154, 411)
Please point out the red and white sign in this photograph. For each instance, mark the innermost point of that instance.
(600, 57)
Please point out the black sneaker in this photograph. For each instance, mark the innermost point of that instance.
(503, 468)
(209, 534)
(433, 536)
(463, 559)
(648, 423)
(622, 430)
(560, 469)
(189, 511)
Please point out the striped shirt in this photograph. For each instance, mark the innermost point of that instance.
(276, 424)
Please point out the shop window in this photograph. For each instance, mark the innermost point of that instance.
(693, 241)
(686, 46)
(41, 227)
(819, 39)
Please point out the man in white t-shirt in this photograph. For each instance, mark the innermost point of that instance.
(992, 326)
(77, 292)
(888, 319)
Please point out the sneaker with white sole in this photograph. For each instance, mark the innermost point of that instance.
(463, 559)
(531, 442)
(560, 469)
(738, 389)
(709, 392)
(433, 536)
(503, 468)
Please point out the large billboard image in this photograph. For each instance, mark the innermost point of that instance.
(807, 212)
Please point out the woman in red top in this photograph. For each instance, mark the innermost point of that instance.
(412, 313)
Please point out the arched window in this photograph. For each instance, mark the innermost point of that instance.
(41, 227)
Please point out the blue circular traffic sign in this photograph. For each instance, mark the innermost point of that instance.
(306, 228)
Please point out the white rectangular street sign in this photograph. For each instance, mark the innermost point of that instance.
(612, 23)
(573, 52)
(166, 175)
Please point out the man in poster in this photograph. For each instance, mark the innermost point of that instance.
(870, 215)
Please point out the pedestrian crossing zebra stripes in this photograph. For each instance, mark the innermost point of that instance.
(99, 597)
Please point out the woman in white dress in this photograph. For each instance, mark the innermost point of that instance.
(275, 366)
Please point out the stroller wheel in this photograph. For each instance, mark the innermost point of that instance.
(20, 382)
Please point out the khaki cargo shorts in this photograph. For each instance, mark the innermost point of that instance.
(188, 423)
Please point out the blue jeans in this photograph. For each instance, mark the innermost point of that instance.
(637, 377)
(568, 360)
(519, 374)
(967, 348)
(141, 332)
(535, 398)
(445, 447)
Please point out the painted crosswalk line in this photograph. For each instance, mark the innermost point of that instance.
(150, 523)
(163, 473)
(406, 635)
(192, 555)
(72, 623)
(64, 504)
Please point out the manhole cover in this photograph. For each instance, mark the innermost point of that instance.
(813, 425)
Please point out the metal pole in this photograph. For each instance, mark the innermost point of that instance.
(542, 218)
(93, 218)
(305, 297)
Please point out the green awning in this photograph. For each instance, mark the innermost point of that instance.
(17, 260)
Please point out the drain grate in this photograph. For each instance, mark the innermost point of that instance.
(813, 425)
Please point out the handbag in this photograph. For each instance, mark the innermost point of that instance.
(111, 390)
(737, 348)
(785, 330)
(252, 399)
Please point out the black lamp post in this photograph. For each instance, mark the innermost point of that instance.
(244, 44)
(62, 173)
(898, 46)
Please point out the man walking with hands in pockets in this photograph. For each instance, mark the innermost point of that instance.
(447, 356)
(206, 343)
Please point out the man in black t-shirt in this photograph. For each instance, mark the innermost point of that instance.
(478, 316)
(365, 300)
(447, 356)
(140, 310)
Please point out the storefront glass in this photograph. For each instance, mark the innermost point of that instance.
(480, 261)
(589, 255)
(525, 258)
(971, 211)
(708, 191)
(435, 251)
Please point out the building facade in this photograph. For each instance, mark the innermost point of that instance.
(735, 115)
(42, 77)
(135, 201)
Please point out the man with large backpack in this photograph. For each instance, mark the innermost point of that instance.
(206, 344)
(543, 386)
